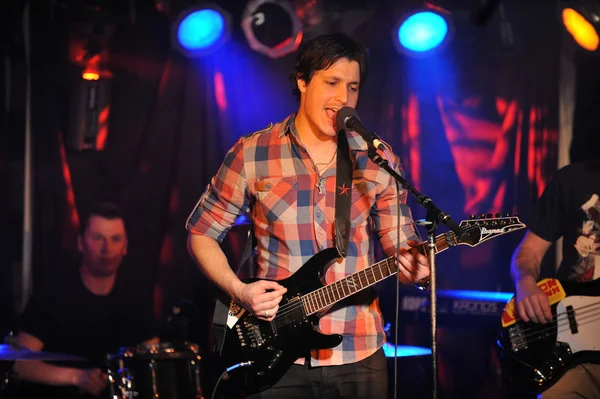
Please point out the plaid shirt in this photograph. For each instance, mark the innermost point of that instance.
(292, 221)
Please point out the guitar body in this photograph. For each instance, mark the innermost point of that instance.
(274, 346)
(534, 356)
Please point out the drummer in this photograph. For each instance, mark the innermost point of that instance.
(90, 311)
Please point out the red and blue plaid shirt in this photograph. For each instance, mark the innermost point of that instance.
(292, 221)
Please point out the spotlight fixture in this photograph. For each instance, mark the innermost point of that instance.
(581, 18)
(201, 30)
(423, 31)
(271, 27)
(90, 36)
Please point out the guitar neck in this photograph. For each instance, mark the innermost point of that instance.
(442, 243)
(326, 296)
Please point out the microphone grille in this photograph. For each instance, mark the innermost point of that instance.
(343, 114)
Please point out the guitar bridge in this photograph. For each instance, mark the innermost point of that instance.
(518, 342)
(253, 334)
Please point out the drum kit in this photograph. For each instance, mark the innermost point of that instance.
(146, 371)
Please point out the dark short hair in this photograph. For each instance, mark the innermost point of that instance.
(322, 52)
(104, 209)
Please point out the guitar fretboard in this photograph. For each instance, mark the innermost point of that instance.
(332, 293)
(442, 242)
(335, 292)
(473, 233)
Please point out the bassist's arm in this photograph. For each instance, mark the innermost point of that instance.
(528, 257)
(532, 303)
(257, 297)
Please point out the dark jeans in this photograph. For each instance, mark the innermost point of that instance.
(366, 379)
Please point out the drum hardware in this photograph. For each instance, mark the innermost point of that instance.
(11, 350)
(6, 381)
(155, 371)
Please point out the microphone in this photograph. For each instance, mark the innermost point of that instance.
(347, 118)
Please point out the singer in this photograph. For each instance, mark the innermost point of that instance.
(287, 176)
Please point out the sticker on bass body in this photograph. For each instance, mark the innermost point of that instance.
(551, 287)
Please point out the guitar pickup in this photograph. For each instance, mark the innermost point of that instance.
(572, 321)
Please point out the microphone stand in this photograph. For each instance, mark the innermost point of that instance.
(433, 216)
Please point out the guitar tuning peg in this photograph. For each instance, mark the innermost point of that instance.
(489, 216)
(498, 215)
(472, 217)
(482, 216)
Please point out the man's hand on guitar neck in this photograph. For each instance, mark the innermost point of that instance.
(261, 298)
(532, 303)
(413, 265)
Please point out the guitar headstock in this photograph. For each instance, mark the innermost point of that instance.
(478, 230)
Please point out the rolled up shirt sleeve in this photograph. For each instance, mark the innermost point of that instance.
(224, 199)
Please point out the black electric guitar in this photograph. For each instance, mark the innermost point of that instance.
(534, 356)
(268, 349)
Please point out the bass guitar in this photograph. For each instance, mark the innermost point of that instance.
(268, 349)
(534, 355)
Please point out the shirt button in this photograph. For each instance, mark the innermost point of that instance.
(268, 186)
(319, 215)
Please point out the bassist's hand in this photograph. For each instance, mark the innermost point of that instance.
(261, 298)
(532, 303)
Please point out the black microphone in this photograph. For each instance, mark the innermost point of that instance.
(347, 118)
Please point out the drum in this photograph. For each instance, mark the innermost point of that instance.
(155, 371)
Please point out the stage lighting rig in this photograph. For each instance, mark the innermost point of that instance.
(581, 18)
(272, 27)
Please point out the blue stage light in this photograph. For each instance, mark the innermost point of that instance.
(201, 30)
(424, 31)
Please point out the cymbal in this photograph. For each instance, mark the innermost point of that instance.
(8, 352)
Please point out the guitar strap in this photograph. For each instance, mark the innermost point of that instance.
(341, 233)
(343, 195)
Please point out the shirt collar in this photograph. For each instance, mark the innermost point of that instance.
(355, 141)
